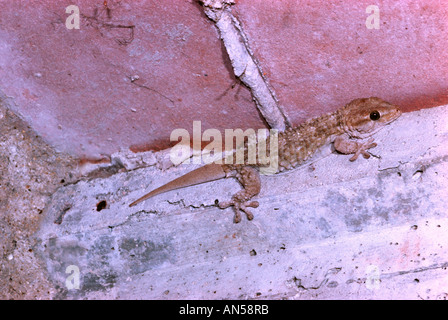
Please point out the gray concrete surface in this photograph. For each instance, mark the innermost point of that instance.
(373, 229)
(30, 172)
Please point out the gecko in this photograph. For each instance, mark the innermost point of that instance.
(349, 129)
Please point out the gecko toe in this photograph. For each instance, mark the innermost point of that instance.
(237, 217)
(252, 204)
(239, 206)
(243, 208)
(226, 204)
(249, 214)
(354, 157)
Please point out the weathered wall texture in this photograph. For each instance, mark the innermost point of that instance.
(136, 70)
(374, 228)
(30, 171)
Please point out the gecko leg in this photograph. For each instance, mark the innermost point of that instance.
(346, 146)
(250, 180)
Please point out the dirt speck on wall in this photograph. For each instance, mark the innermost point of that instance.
(30, 171)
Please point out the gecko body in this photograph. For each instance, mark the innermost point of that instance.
(350, 129)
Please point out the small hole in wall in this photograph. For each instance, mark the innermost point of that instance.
(101, 205)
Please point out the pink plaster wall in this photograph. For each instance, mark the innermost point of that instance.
(74, 86)
(319, 54)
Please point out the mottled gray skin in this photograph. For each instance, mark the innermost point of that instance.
(346, 128)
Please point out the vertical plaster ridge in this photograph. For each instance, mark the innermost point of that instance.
(245, 65)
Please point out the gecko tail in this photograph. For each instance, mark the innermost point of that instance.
(207, 173)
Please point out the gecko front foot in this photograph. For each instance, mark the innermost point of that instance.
(238, 206)
(346, 146)
(362, 149)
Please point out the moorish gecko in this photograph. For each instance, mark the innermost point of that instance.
(347, 128)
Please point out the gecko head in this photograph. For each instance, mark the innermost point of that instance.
(364, 117)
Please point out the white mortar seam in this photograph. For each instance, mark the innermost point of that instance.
(244, 64)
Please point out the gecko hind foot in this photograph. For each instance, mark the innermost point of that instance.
(240, 206)
(250, 180)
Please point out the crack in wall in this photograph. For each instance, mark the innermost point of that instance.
(182, 204)
(298, 281)
(132, 215)
(434, 266)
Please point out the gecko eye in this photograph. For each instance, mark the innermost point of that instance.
(374, 115)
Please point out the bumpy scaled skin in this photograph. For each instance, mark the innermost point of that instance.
(347, 128)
